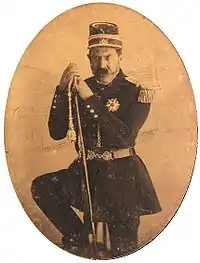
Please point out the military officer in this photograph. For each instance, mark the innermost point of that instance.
(112, 112)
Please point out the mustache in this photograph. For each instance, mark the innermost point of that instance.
(100, 71)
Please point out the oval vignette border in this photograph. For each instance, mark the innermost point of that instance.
(125, 58)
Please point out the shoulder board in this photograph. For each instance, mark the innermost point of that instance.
(146, 95)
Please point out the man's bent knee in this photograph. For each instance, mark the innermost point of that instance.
(40, 186)
(36, 188)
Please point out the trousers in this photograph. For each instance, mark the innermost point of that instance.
(55, 193)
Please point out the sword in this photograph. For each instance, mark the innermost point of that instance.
(71, 135)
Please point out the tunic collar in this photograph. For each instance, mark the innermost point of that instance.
(119, 76)
(100, 87)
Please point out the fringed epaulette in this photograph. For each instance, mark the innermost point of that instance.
(146, 95)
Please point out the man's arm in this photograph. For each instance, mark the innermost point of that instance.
(119, 129)
(58, 116)
(58, 122)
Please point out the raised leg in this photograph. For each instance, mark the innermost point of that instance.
(54, 193)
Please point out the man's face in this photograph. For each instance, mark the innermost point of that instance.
(105, 63)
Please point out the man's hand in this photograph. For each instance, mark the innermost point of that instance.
(68, 75)
(80, 86)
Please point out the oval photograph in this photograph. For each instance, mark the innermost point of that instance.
(100, 131)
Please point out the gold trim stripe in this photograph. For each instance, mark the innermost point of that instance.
(146, 95)
(97, 36)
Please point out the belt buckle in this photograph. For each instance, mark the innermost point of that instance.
(107, 156)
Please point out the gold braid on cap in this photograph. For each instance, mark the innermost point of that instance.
(71, 133)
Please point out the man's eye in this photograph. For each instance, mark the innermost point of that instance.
(108, 57)
(96, 58)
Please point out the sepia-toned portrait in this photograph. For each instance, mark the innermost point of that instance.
(100, 131)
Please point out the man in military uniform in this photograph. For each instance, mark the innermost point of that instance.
(112, 111)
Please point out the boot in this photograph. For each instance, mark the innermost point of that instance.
(75, 244)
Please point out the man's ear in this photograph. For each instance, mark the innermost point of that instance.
(88, 56)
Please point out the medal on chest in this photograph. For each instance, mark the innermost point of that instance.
(113, 104)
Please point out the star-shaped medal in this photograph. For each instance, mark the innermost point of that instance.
(113, 104)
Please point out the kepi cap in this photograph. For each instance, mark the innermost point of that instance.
(104, 34)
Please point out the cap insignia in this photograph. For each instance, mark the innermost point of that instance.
(103, 41)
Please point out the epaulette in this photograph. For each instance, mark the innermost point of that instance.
(146, 95)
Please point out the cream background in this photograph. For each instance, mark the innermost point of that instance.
(167, 141)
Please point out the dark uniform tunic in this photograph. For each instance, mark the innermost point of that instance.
(121, 189)
(123, 185)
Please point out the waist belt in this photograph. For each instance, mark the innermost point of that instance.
(110, 155)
